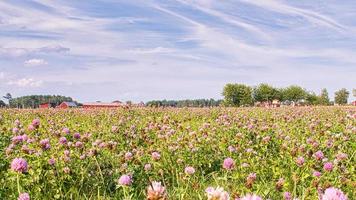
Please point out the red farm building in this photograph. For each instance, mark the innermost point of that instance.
(66, 104)
(353, 103)
(45, 105)
(102, 105)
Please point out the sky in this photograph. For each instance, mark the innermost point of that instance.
(142, 50)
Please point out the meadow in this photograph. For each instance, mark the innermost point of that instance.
(303, 153)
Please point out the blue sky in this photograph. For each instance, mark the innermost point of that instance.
(174, 49)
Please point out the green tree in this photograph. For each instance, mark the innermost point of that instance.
(8, 97)
(2, 104)
(294, 93)
(265, 92)
(324, 97)
(312, 98)
(354, 92)
(341, 96)
(237, 95)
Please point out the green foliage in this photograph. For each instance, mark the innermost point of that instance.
(294, 93)
(33, 101)
(341, 96)
(312, 98)
(7, 96)
(324, 97)
(237, 95)
(2, 104)
(265, 92)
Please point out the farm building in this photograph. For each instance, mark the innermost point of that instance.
(47, 105)
(102, 105)
(66, 104)
(353, 103)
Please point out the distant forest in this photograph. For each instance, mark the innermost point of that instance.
(33, 101)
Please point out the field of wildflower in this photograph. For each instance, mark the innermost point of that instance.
(303, 153)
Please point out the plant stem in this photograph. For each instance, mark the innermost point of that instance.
(101, 174)
(18, 184)
(125, 192)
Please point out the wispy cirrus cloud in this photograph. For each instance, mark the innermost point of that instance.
(217, 40)
(173, 49)
(225, 17)
(312, 16)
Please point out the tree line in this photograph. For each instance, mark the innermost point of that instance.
(244, 95)
(33, 101)
(234, 95)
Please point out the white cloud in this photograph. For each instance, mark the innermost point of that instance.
(26, 82)
(312, 16)
(35, 62)
(157, 50)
